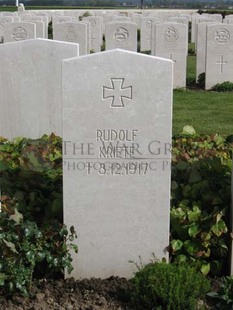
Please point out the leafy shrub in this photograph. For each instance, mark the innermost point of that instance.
(223, 87)
(201, 80)
(190, 81)
(201, 198)
(86, 14)
(224, 296)
(168, 286)
(31, 173)
(23, 246)
(191, 49)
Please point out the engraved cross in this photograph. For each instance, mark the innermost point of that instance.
(117, 92)
(221, 63)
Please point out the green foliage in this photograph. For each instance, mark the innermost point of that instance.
(191, 82)
(86, 14)
(191, 49)
(201, 178)
(8, 8)
(168, 287)
(201, 80)
(31, 172)
(50, 30)
(146, 52)
(191, 52)
(24, 246)
(191, 70)
(224, 296)
(223, 87)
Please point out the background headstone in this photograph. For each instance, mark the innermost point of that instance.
(96, 30)
(3, 21)
(30, 87)
(146, 32)
(171, 41)
(34, 19)
(14, 32)
(201, 49)
(75, 32)
(219, 54)
(121, 35)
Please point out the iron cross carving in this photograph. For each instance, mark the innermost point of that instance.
(117, 92)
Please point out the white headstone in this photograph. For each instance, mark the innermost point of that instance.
(3, 21)
(193, 26)
(180, 20)
(136, 18)
(146, 32)
(219, 54)
(62, 19)
(10, 14)
(201, 48)
(30, 87)
(96, 32)
(39, 31)
(86, 22)
(76, 32)
(202, 20)
(171, 41)
(16, 19)
(216, 17)
(116, 173)
(228, 21)
(19, 31)
(121, 35)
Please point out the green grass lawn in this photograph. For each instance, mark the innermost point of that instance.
(207, 111)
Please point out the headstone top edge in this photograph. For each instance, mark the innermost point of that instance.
(121, 22)
(118, 51)
(37, 40)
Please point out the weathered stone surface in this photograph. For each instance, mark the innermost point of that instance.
(116, 151)
(30, 87)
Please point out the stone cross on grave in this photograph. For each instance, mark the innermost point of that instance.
(117, 92)
(221, 63)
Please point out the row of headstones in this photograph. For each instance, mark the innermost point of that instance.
(204, 18)
(168, 40)
(212, 36)
(97, 29)
(116, 133)
(214, 53)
